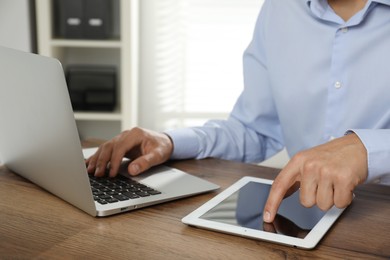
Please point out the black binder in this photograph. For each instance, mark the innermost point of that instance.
(83, 19)
(70, 18)
(98, 19)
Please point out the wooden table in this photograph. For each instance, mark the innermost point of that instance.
(35, 224)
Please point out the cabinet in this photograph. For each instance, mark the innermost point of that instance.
(120, 51)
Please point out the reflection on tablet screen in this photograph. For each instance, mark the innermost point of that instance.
(245, 208)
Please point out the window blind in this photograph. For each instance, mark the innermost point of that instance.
(191, 59)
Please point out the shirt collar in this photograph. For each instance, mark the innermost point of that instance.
(385, 2)
(320, 8)
(325, 2)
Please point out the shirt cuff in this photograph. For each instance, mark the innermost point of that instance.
(185, 143)
(377, 143)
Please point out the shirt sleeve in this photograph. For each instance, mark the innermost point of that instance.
(252, 132)
(377, 143)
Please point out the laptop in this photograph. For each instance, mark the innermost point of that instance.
(39, 141)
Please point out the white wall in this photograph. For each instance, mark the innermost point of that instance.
(15, 24)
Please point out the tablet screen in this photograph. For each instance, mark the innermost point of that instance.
(244, 208)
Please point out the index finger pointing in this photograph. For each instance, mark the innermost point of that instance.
(282, 183)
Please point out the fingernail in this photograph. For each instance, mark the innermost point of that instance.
(135, 168)
(267, 216)
(96, 171)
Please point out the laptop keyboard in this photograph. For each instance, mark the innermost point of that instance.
(110, 190)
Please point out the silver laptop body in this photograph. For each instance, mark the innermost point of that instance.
(39, 138)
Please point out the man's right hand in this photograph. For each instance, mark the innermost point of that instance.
(327, 175)
(143, 147)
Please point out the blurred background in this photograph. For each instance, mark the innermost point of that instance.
(167, 63)
(17, 25)
(157, 64)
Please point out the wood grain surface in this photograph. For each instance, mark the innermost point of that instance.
(37, 225)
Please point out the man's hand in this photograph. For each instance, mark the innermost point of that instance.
(327, 174)
(145, 148)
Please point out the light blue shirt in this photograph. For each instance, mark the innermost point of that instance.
(309, 76)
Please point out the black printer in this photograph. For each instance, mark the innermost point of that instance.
(92, 88)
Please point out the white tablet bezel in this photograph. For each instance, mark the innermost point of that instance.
(309, 242)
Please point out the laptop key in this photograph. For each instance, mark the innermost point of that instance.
(154, 192)
(111, 200)
(130, 195)
(121, 197)
(105, 197)
(142, 193)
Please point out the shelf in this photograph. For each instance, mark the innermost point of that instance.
(86, 43)
(121, 51)
(95, 116)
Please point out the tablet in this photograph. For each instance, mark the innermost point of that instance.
(238, 210)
